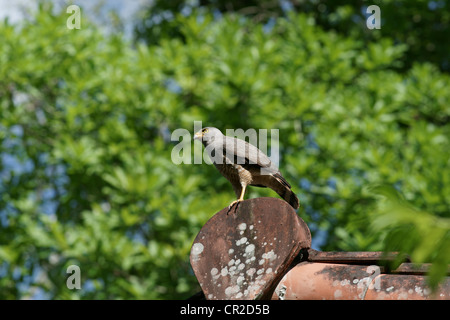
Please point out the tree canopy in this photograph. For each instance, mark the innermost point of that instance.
(86, 176)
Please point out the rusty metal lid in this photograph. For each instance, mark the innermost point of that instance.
(243, 253)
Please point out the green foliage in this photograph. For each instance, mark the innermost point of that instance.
(86, 171)
(420, 234)
(422, 25)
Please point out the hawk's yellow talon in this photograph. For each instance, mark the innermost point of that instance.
(233, 203)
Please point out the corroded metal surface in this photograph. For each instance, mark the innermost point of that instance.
(243, 253)
(405, 287)
(311, 280)
(353, 257)
(411, 268)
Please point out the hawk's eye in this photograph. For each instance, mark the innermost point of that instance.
(205, 130)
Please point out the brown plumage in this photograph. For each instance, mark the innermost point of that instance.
(244, 164)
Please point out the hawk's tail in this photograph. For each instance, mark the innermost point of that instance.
(283, 189)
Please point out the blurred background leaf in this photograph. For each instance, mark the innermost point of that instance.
(423, 236)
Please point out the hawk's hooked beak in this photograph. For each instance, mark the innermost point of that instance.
(198, 136)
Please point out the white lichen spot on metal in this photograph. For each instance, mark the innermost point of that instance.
(197, 248)
(242, 226)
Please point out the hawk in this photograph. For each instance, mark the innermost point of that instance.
(243, 164)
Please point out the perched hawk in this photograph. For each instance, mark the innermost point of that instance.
(244, 164)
